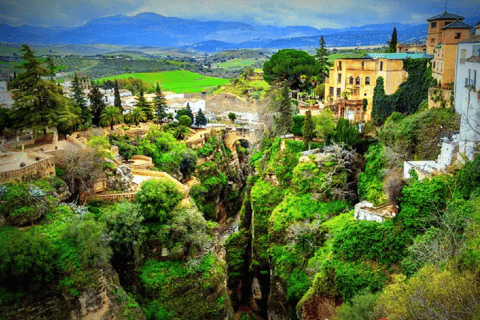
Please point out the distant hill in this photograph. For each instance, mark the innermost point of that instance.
(149, 29)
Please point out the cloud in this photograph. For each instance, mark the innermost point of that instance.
(316, 13)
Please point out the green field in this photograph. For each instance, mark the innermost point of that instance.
(237, 63)
(177, 81)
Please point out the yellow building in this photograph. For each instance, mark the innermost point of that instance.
(445, 52)
(356, 79)
(435, 26)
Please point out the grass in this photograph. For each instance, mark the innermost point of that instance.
(177, 81)
(237, 63)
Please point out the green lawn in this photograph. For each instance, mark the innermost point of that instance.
(177, 81)
(237, 63)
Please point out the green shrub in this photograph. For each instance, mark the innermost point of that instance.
(371, 181)
(468, 178)
(158, 198)
(297, 125)
(361, 307)
(185, 121)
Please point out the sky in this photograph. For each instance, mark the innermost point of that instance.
(315, 13)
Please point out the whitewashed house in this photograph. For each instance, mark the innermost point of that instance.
(467, 92)
(6, 100)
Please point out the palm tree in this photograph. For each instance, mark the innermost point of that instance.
(110, 115)
(136, 116)
(181, 132)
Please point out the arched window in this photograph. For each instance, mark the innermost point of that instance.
(357, 81)
(351, 80)
(367, 81)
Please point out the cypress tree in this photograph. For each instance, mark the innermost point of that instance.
(97, 103)
(189, 111)
(160, 104)
(200, 120)
(393, 42)
(322, 59)
(79, 101)
(118, 102)
(144, 105)
(308, 129)
(282, 106)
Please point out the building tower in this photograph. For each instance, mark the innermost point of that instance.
(435, 25)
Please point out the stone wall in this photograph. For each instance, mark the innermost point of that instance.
(111, 197)
(42, 168)
(162, 175)
(225, 102)
(437, 96)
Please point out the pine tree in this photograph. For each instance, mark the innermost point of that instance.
(118, 102)
(80, 102)
(189, 111)
(97, 103)
(392, 48)
(322, 59)
(51, 67)
(200, 120)
(38, 103)
(308, 129)
(160, 104)
(282, 106)
(144, 105)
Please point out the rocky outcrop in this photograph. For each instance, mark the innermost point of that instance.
(121, 179)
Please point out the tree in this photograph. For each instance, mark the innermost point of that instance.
(136, 115)
(144, 105)
(322, 59)
(185, 121)
(308, 129)
(110, 116)
(83, 168)
(157, 199)
(80, 102)
(181, 112)
(189, 111)
(288, 65)
(38, 103)
(281, 104)
(200, 120)
(181, 132)
(392, 45)
(320, 91)
(118, 102)
(232, 116)
(160, 104)
(51, 66)
(97, 103)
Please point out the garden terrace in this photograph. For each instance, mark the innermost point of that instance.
(17, 166)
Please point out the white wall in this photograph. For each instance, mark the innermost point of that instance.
(467, 102)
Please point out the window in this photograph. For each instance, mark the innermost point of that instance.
(339, 64)
(339, 78)
(458, 35)
(357, 80)
(433, 25)
(381, 66)
(339, 92)
(363, 64)
(367, 81)
(364, 94)
(331, 91)
(432, 40)
(351, 80)
(433, 65)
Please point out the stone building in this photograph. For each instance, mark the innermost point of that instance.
(467, 92)
(357, 78)
(445, 51)
(435, 28)
(411, 47)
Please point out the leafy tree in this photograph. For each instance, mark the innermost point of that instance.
(136, 115)
(118, 102)
(232, 116)
(38, 103)
(181, 132)
(298, 122)
(158, 198)
(392, 44)
(322, 59)
(200, 120)
(79, 101)
(188, 164)
(4, 120)
(96, 103)
(160, 103)
(111, 115)
(83, 168)
(281, 104)
(320, 90)
(288, 65)
(181, 112)
(324, 123)
(144, 105)
(308, 129)
(28, 261)
(346, 133)
(185, 121)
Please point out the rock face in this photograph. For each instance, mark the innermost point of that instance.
(105, 300)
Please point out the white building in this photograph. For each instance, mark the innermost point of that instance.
(467, 92)
(6, 100)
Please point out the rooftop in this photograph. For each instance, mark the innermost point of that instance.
(474, 59)
(475, 38)
(457, 25)
(446, 16)
(398, 56)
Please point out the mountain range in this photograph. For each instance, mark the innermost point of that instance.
(156, 30)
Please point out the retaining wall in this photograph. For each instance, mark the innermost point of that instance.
(436, 96)
(42, 168)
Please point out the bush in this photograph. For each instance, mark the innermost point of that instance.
(158, 198)
(370, 182)
(468, 178)
(185, 121)
(361, 307)
(297, 125)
